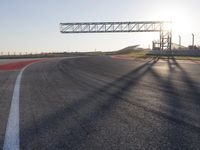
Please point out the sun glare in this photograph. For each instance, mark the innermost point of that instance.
(181, 21)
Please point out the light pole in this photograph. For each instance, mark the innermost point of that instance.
(192, 41)
(179, 42)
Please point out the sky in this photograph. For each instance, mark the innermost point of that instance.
(33, 25)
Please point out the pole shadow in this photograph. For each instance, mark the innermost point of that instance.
(174, 99)
(100, 103)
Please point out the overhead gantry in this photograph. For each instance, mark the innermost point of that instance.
(163, 27)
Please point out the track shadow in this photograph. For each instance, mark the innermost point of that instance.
(100, 103)
(188, 81)
(174, 99)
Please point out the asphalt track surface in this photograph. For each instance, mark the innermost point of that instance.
(105, 103)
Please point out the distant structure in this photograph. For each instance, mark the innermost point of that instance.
(163, 27)
(178, 46)
(128, 49)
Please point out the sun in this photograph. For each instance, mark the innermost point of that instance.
(181, 20)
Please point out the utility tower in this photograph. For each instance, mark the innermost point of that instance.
(163, 27)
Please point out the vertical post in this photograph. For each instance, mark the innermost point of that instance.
(179, 42)
(170, 41)
(153, 45)
(160, 36)
(192, 41)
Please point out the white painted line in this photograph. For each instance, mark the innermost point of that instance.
(11, 141)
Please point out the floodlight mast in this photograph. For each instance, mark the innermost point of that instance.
(163, 27)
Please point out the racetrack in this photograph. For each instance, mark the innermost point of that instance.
(105, 103)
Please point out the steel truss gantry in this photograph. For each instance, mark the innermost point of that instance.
(164, 27)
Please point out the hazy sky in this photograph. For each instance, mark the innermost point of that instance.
(33, 25)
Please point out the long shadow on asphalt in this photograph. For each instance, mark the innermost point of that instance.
(189, 81)
(171, 91)
(101, 101)
(174, 99)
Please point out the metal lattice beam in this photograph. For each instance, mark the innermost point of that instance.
(108, 27)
